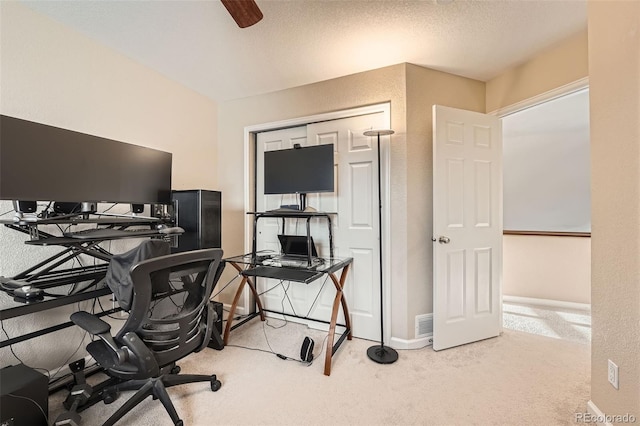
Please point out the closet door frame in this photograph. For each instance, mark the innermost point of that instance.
(250, 133)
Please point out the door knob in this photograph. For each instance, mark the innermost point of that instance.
(444, 240)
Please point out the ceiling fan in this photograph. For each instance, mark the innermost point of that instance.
(244, 12)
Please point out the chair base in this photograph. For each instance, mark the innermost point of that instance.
(155, 387)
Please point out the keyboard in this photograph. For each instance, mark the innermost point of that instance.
(289, 261)
(110, 233)
(285, 274)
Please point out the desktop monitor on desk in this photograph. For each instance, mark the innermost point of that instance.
(300, 170)
(46, 163)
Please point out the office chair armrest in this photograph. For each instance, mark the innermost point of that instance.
(100, 328)
(90, 323)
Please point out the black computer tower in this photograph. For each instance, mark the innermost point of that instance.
(199, 213)
(216, 339)
(24, 396)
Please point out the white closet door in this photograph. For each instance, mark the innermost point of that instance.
(356, 227)
(269, 228)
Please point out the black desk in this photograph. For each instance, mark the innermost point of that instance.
(13, 309)
(48, 275)
(249, 267)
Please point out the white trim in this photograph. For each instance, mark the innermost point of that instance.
(595, 411)
(547, 302)
(385, 166)
(333, 115)
(240, 310)
(567, 89)
(422, 342)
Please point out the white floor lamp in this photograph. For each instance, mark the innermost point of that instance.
(380, 353)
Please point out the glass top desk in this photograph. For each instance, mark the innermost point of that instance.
(266, 264)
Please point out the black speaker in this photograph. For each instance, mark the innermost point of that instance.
(137, 208)
(67, 208)
(306, 351)
(199, 213)
(24, 396)
(25, 206)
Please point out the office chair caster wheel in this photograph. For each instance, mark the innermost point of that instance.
(175, 369)
(108, 398)
(215, 384)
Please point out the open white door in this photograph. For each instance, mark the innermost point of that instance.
(467, 227)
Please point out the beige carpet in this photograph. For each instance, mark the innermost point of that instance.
(556, 322)
(514, 379)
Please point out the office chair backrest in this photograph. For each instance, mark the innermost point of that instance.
(170, 310)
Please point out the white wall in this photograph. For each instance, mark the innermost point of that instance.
(56, 76)
(546, 158)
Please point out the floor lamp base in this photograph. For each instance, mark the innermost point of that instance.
(382, 354)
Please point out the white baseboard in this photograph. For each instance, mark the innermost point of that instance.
(422, 342)
(240, 310)
(547, 302)
(597, 414)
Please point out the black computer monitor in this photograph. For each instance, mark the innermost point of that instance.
(46, 163)
(301, 170)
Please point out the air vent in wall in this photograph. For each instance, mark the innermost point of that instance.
(424, 325)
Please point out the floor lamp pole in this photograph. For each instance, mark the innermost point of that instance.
(380, 353)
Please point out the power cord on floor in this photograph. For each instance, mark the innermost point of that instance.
(281, 356)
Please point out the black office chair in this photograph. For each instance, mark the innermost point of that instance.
(170, 317)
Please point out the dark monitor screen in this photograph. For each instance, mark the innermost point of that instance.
(45, 163)
(299, 170)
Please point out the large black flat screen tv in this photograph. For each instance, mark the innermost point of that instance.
(45, 163)
(299, 170)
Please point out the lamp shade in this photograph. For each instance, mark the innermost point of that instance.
(378, 132)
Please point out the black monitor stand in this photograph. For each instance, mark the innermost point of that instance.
(303, 201)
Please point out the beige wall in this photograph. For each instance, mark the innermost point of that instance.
(547, 267)
(56, 76)
(411, 91)
(561, 64)
(614, 78)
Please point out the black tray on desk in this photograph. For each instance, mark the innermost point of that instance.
(286, 274)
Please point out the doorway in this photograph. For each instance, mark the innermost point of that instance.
(547, 223)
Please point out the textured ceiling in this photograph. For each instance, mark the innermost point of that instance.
(303, 41)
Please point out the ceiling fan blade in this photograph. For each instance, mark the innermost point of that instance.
(244, 12)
